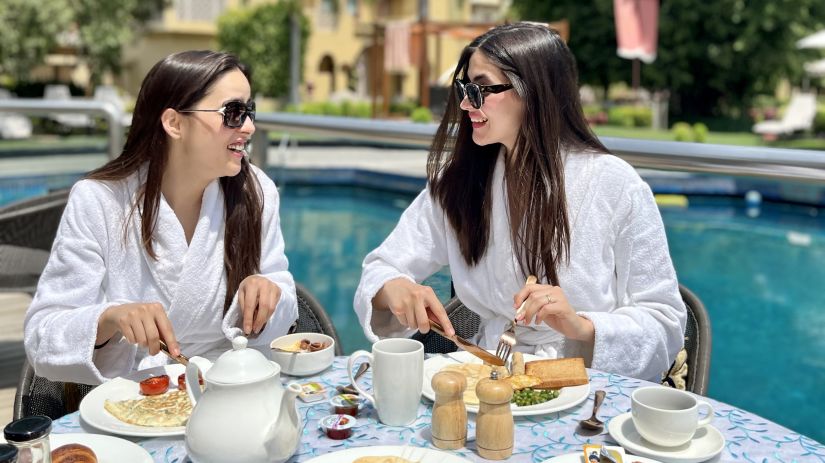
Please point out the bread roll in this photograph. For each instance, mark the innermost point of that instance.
(73, 453)
(557, 373)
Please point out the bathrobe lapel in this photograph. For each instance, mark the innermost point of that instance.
(190, 276)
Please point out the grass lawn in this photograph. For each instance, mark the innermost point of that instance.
(720, 138)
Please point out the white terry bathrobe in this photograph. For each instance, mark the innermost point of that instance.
(93, 266)
(619, 276)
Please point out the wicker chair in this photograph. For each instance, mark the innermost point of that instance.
(27, 230)
(38, 396)
(697, 337)
(312, 318)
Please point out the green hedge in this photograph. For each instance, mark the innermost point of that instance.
(630, 116)
(682, 131)
(326, 108)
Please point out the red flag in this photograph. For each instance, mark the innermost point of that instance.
(637, 28)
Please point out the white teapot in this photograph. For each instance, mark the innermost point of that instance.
(244, 414)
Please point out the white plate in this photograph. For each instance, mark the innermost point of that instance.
(93, 413)
(578, 457)
(568, 396)
(705, 444)
(109, 449)
(416, 454)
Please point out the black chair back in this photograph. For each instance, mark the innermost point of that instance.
(312, 318)
(27, 230)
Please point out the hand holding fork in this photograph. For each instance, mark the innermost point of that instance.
(508, 337)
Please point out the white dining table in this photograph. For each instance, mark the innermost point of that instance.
(538, 438)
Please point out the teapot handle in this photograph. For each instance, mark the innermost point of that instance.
(197, 367)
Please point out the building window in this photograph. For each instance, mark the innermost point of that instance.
(199, 10)
(352, 7)
(328, 14)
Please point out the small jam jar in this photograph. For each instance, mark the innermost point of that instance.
(31, 437)
(346, 404)
(8, 453)
(338, 426)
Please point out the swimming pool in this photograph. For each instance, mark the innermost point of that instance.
(760, 277)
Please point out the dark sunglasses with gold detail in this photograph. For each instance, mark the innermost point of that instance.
(475, 92)
(234, 113)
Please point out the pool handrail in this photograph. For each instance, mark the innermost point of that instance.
(757, 161)
(42, 107)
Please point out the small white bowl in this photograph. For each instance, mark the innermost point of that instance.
(302, 363)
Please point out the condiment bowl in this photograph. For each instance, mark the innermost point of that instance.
(302, 363)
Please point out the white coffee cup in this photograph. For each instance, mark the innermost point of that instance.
(666, 416)
(397, 379)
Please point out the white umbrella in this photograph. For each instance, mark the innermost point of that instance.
(816, 40)
(815, 68)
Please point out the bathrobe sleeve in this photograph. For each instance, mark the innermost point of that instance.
(61, 324)
(643, 334)
(414, 250)
(275, 267)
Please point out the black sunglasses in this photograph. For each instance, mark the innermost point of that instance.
(475, 92)
(234, 113)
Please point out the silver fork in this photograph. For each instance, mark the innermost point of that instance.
(508, 337)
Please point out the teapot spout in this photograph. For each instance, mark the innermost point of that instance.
(285, 433)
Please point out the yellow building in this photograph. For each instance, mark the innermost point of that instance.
(346, 48)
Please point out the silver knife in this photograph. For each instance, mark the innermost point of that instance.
(467, 345)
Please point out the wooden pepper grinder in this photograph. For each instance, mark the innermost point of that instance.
(494, 422)
(449, 425)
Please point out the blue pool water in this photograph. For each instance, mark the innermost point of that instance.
(761, 279)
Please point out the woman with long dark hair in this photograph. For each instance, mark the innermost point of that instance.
(519, 185)
(176, 240)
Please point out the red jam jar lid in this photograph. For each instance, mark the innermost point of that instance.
(338, 426)
(347, 404)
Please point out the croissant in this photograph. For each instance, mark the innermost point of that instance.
(73, 453)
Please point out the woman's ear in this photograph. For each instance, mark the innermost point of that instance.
(171, 121)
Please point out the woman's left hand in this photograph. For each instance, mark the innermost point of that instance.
(257, 298)
(548, 304)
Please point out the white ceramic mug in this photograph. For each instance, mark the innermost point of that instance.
(397, 379)
(666, 416)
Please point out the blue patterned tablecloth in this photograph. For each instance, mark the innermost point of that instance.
(749, 438)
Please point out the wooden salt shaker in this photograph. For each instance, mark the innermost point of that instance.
(449, 424)
(494, 422)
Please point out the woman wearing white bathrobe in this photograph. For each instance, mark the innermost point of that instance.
(178, 239)
(519, 185)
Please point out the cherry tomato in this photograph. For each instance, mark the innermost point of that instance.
(182, 381)
(154, 385)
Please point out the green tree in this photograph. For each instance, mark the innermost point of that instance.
(592, 36)
(28, 31)
(260, 38)
(106, 25)
(713, 56)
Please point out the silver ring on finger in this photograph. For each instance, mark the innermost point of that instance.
(550, 300)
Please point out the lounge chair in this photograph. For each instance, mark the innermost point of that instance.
(799, 116)
(68, 121)
(13, 125)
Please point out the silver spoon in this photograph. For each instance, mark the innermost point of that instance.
(594, 423)
(358, 373)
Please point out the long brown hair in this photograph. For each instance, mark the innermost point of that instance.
(180, 81)
(542, 71)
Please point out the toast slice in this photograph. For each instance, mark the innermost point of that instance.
(557, 373)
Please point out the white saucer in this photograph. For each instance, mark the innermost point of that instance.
(705, 444)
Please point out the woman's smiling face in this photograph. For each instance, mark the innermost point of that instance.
(499, 118)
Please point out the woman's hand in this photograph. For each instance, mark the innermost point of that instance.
(548, 304)
(410, 303)
(141, 323)
(257, 298)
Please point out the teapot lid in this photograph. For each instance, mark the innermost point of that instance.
(241, 365)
